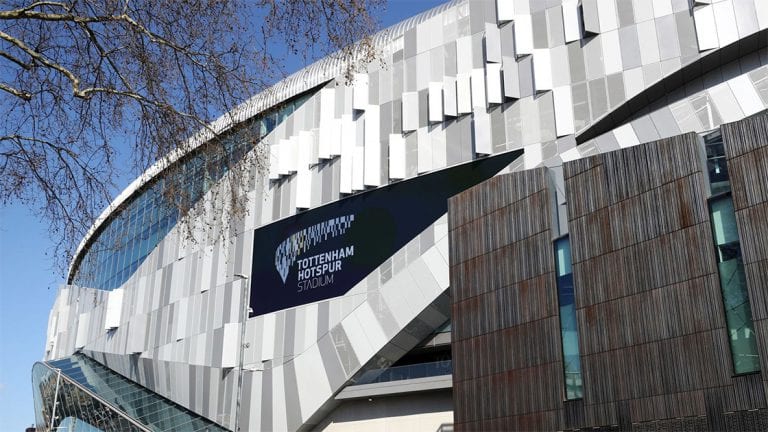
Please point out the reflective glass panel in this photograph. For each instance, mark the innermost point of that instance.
(568, 328)
(738, 314)
(93, 397)
(133, 231)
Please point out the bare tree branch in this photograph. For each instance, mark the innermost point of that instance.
(18, 93)
(147, 75)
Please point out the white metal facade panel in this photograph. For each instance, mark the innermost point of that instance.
(482, 129)
(424, 161)
(591, 16)
(542, 70)
(725, 19)
(360, 92)
(347, 153)
(435, 102)
(449, 97)
(571, 24)
(662, 8)
(611, 52)
(304, 175)
(478, 89)
(523, 35)
(229, 348)
(706, 31)
(492, 43)
(505, 10)
(606, 10)
(746, 95)
(626, 136)
(493, 83)
(372, 170)
(563, 110)
(357, 168)
(410, 111)
(114, 309)
(83, 325)
(327, 108)
(463, 93)
(761, 9)
(396, 156)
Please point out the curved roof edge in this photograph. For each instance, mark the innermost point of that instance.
(324, 69)
(630, 109)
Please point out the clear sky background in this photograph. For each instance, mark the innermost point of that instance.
(28, 283)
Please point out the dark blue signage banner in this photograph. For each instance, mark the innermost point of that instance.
(326, 251)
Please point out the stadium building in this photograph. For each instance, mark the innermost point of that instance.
(528, 215)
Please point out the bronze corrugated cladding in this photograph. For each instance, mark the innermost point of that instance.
(655, 353)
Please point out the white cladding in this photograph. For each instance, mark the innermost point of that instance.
(469, 78)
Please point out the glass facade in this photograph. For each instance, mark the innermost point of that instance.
(78, 393)
(568, 327)
(716, 167)
(733, 283)
(411, 371)
(133, 231)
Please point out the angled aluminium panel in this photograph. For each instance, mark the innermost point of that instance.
(83, 324)
(493, 83)
(626, 136)
(505, 10)
(229, 348)
(591, 16)
(114, 309)
(410, 111)
(706, 31)
(288, 156)
(725, 19)
(511, 78)
(449, 97)
(542, 70)
(358, 168)
(746, 95)
(347, 153)
(563, 110)
(464, 93)
(360, 92)
(761, 9)
(478, 88)
(372, 170)
(492, 43)
(571, 25)
(507, 34)
(274, 162)
(327, 108)
(396, 156)
(304, 175)
(482, 130)
(464, 55)
(335, 136)
(649, 42)
(611, 52)
(523, 35)
(435, 102)
(606, 10)
(662, 8)
(424, 162)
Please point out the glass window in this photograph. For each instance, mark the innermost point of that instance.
(568, 328)
(738, 314)
(716, 164)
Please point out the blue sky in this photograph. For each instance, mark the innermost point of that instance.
(28, 283)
